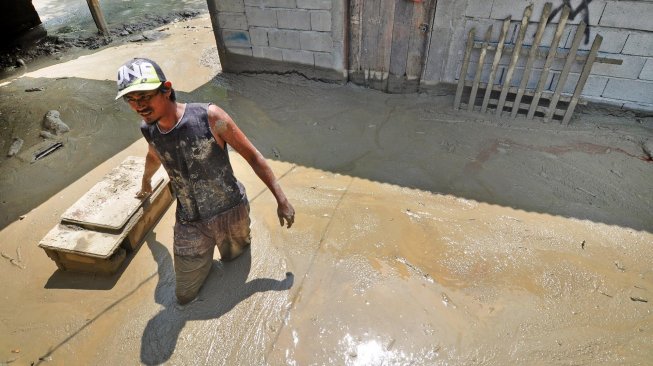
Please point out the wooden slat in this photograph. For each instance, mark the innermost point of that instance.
(531, 57)
(98, 17)
(479, 70)
(463, 70)
(583, 78)
(513, 90)
(565, 69)
(370, 20)
(495, 62)
(515, 56)
(400, 38)
(549, 60)
(355, 35)
(543, 52)
(422, 16)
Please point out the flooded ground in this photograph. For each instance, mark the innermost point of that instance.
(423, 235)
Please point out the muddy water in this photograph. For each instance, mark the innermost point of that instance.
(423, 236)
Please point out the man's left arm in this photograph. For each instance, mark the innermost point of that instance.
(225, 130)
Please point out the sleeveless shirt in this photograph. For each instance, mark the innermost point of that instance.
(199, 169)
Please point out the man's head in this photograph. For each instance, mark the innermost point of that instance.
(141, 83)
(139, 74)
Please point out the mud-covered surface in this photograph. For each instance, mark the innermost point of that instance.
(424, 235)
(69, 25)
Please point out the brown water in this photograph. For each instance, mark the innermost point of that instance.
(423, 236)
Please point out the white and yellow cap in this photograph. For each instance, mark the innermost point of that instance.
(139, 74)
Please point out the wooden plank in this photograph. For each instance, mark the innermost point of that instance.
(418, 39)
(355, 35)
(400, 39)
(479, 70)
(495, 63)
(531, 57)
(513, 90)
(565, 69)
(463, 70)
(370, 21)
(547, 64)
(514, 58)
(111, 202)
(98, 17)
(583, 78)
(84, 242)
(400, 36)
(495, 101)
(543, 53)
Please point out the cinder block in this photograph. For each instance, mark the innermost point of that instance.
(235, 38)
(290, 4)
(268, 53)
(630, 68)
(258, 36)
(234, 6)
(232, 21)
(284, 39)
(324, 60)
(515, 8)
(639, 43)
(300, 57)
(628, 14)
(647, 71)
(316, 41)
(321, 20)
(294, 19)
(261, 17)
(614, 40)
(646, 107)
(639, 91)
(314, 4)
(594, 86)
(478, 8)
(240, 50)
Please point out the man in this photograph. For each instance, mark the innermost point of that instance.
(190, 140)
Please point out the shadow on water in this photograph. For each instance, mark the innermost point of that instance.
(225, 287)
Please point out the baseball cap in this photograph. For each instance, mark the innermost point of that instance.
(139, 74)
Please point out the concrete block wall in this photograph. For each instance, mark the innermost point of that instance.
(625, 25)
(305, 33)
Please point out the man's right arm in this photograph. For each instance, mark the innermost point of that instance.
(152, 164)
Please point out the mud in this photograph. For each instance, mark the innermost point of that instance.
(423, 236)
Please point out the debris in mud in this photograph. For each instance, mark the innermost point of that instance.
(15, 146)
(582, 245)
(52, 122)
(46, 151)
(276, 153)
(34, 90)
(15, 261)
(619, 266)
(647, 146)
(47, 135)
(638, 299)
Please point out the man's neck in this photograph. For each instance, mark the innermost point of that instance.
(173, 114)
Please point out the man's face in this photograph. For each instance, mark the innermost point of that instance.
(148, 104)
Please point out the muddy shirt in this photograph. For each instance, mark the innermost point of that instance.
(199, 169)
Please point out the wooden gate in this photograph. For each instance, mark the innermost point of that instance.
(506, 97)
(387, 43)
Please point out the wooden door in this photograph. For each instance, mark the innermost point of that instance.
(387, 43)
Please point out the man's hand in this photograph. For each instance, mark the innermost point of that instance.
(286, 212)
(146, 189)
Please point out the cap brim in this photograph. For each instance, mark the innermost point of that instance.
(138, 87)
